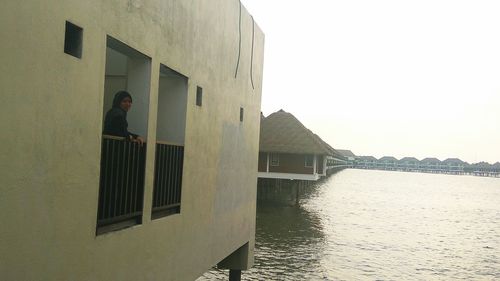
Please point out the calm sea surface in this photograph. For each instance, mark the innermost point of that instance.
(380, 225)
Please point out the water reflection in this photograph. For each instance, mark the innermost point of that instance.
(282, 230)
(289, 245)
(375, 225)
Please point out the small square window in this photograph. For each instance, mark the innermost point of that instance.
(73, 40)
(274, 159)
(199, 96)
(241, 114)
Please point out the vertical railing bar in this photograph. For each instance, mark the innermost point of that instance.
(166, 155)
(168, 164)
(157, 186)
(133, 179)
(161, 185)
(140, 177)
(119, 175)
(117, 179)
(143, 177)
(175, 177)
(179, 176)
(137, 176)
(170, 174)
(156, 175)
(164, 161)
(181, 170)
(103, 185)
(168, 185)
(112, 177)
(158, 169)
(127, 182)
(171, 166)
(121, 178)
(121, 203)
(109, 179)
(174, 172)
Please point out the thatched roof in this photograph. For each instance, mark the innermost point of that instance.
(453, 161)
(388, 159)
(283, 133)
(346, 153)
(408, 159)
(368, 158)
(430, 160)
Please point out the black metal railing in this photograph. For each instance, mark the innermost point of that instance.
(121, 186)
(168, 179)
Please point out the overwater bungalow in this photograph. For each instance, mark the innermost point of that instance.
(366, 162)
(452, 165)
(495, 169)
(350, 157)
(483, 169)
(430, 165)
(408, 164)
(288, 150)
(80, 205)
(387, 163)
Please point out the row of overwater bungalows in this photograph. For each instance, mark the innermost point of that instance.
(428, 165)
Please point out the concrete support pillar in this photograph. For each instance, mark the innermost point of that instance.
(234, 275)
(297, 193)
(239, 260)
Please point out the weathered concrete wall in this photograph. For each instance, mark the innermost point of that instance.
(51, 137)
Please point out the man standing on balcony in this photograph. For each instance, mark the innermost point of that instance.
(115, 123)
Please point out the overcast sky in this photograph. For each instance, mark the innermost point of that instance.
(392, 77)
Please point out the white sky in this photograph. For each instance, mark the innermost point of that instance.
(391, 77)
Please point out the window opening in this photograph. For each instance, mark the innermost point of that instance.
(274, 159)
(121, 185)
(170, 134)
(309, 161)
(73, 40)
(199, 95)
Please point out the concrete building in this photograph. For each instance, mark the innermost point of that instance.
(80, 206)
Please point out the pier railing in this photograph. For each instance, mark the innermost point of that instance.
(168, 179)
(121, 186)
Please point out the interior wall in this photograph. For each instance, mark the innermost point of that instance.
(116, 78)
(138, 85)
(172, 103)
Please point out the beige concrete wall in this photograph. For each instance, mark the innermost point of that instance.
(51, 136)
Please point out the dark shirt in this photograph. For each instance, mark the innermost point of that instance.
(116, 124)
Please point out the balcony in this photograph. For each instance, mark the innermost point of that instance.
(168, 179)
(121, 186)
